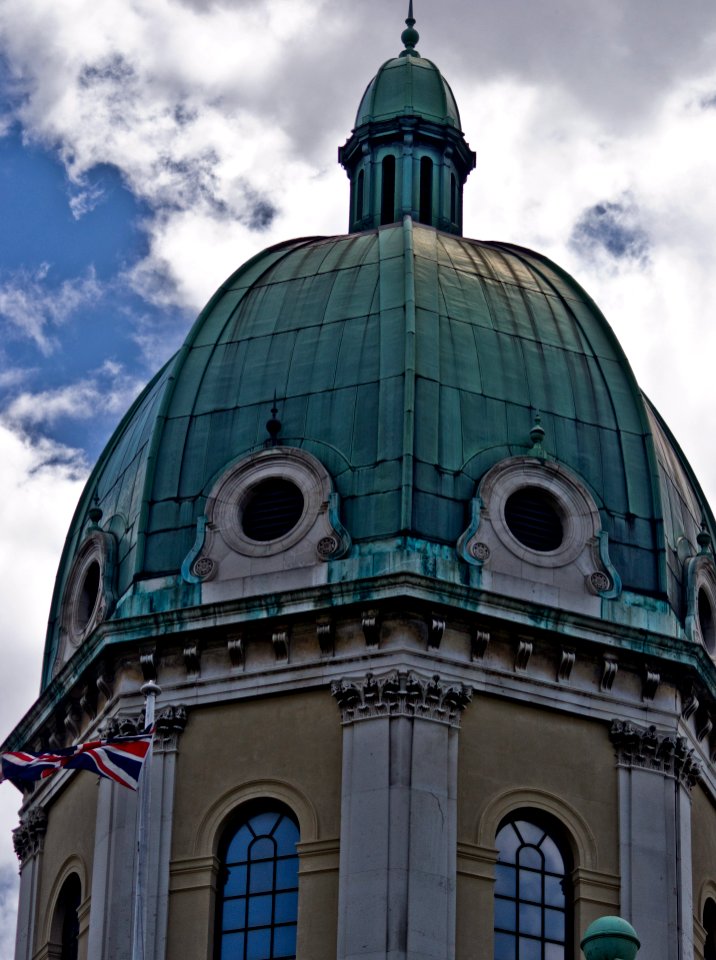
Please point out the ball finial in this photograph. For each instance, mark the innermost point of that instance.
(410, 35)
(610, 938)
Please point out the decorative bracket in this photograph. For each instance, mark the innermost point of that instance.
(566, 664)
(148, 660)
(281, 639)
(192, 658)
(650, 683)
(370, 624)
(236, 646)
(689, 704)
(479, 643)
(326, 636)
(609, 672)
(436, 629)
(523, 654)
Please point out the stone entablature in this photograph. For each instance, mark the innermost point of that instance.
(401, 694)
(29, 836)
(645, 748)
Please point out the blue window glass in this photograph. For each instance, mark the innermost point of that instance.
(258, 904)
(532, 892)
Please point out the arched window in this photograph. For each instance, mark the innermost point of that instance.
(453, 199)
(710, 928)
(426, 190)
(387, 205)
(65, 921)
(533, 902)
(258, 898)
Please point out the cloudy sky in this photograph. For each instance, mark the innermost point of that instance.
(148, 147)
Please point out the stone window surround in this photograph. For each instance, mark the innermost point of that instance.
(593, 888)
(701, 575)
(98, 547)
(576, 508)
(224, 507)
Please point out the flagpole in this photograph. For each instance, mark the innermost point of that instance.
(150, 691)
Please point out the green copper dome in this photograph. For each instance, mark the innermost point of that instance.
(408, 362)
(411, 86)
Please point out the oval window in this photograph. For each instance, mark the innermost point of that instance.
(88, 596)
(533, 518)
(706, 621)
(271, 509)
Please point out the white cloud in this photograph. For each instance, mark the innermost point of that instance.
(32, 306)
(109, 390)
(39, 487)
(8, 893)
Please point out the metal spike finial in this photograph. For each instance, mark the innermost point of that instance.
(273, 426)
(537, 434)
(410, 35)
(95, 512)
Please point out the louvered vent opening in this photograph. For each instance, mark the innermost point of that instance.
(532, 517)
(706, 621)
(272, 509)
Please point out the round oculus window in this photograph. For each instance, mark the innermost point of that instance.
(533, 518)
(706, 621)
(88, 596)
(271, 509)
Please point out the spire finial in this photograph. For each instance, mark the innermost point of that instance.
(410, 35)
(537, 434)
(273, 426)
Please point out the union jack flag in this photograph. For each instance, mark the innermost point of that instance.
(120, 760)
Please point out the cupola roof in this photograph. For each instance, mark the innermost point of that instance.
(408, 85)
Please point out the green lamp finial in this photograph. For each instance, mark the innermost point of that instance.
(410, 35)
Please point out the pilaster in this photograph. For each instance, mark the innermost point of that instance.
(28, 839)
(114, 875)
(656, 774)
(398, 816)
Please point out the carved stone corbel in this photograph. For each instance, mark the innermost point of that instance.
(523, 653)
(192, 658)
(689, 704)
(281, 639)
(148, 661)
(479, 643)
(236, 648)
(610, 667)
(73, 720)
(325, 633)
(436, 630)
(650, 682)
(704, 725)
(88, 700)
(566, 664)
(370, 625)
(104, 680)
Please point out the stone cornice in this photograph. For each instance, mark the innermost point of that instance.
(29, 836)
(645, 748)
(401, 693)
